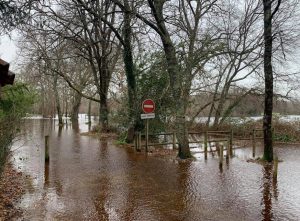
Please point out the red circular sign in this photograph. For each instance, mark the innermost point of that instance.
(148, 106)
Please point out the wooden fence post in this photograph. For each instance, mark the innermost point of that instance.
(253, 143)
(221, 155)
(275, 171)
(47, 157)
(205, 144)
(174, 140)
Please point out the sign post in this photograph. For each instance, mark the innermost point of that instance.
(147, 135)
(148, 107)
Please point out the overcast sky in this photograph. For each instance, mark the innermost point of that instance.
(8, 51)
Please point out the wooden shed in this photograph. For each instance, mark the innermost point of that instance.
(6, 76)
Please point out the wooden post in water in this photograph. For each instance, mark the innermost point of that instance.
(47, 157)
(253, 143)
(275, 169)
(46, 174)
(174, 140)
(147, 135)
(221, 156)
(205, 144)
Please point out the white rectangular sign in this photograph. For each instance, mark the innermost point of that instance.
(148, 116)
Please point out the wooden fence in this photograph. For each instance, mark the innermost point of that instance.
(226, 137)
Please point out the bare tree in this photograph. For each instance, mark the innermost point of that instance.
(123, 32)
(93, 40)
(48, 55)
(14, 13)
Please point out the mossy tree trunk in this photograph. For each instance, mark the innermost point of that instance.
(176, 79)
(133, 106)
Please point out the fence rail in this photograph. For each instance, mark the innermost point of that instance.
(208, 137)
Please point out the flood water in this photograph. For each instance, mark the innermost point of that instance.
(92, 179)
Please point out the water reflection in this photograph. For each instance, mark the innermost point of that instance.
(266, 192)
(275, 188)
(89, 126)
(60, 128)
(75, 126)
(42, 128)
(186, 186)
(269, 191)
(101, 204)
(46, 175)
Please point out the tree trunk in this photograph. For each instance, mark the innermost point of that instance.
(57, 100)
(212, 107)
(133, 107)
(176, 78)
(104, 77)
(66, 108)
(221, 104)
(103, 113)
(267, 120)
(179, 100)
(89, 112)
(182, 133)
(43, 102)
(218, 113)
(104, 84)
(75, 107)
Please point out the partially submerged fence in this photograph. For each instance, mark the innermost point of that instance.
(226, 138)
(138, 141)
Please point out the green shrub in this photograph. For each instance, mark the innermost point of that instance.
(284, 138)
(15, 102)
(122, 138)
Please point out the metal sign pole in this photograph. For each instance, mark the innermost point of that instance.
(147, 135)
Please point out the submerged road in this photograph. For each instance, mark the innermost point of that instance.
(92, 179)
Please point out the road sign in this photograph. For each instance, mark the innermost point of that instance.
(148, 116)
(148, 106)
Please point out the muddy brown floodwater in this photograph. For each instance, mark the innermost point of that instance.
(91, 179)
